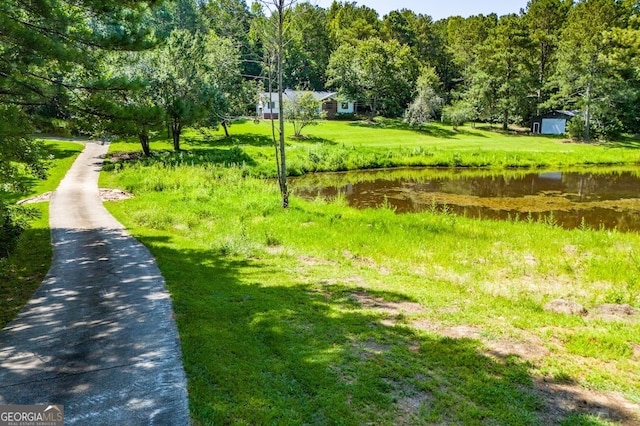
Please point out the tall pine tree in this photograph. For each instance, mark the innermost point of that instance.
(46, 47)
(585, 79)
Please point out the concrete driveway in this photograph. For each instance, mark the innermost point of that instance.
(98, 336)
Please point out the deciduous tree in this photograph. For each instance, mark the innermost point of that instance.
(377, 73)
(427, 104)
(349, 23)
(307, 48)
(458, 113)
(303, 110)
(192, 79)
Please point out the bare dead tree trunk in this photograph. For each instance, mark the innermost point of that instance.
(273, 123)
(284, 191)
(505, 117)
(275, 54)
(587, 107)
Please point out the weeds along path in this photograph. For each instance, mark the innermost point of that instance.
(98, 336)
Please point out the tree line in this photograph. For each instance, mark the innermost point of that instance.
(554, 54)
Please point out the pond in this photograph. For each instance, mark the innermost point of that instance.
(595, 198)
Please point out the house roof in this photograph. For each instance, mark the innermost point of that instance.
(294, 94)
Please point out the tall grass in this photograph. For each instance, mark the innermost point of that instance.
(296, 316)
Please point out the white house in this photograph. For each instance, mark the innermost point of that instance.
(267, 107)
(552, 123)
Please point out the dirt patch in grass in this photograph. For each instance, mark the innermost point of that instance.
(114, 195)
(366, 262)
(449, 310)
(522, 279)
(116, 157)
(388, 307)
(567, 307)
(409, 407)
(356, 279)
(105, 195)
(37, 199)
(530, 348)
(561, 399)
(444, 274)
(564, 399)
(314, 261)
(456, 332)
(370, 348)
(409, 400)
(616, 312)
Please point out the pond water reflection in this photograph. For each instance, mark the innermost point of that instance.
(597, 198)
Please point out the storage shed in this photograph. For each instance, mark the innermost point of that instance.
(552, 123)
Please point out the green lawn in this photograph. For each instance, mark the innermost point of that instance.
(339, 145)
(23, 271)
(322, 314)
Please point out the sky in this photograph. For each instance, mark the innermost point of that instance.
(439, 9)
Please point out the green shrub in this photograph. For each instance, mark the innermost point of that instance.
(13, 221)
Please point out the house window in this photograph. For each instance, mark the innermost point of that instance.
(271, 105)
(344, 105)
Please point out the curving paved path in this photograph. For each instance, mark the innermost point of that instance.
(98, 336)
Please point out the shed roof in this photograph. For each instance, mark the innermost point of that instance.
(567, 112)
(556, 114)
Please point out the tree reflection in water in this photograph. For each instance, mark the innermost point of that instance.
(596, 198)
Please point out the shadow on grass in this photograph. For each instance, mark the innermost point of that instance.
(248, 139)
(628, 142)
(312, 140)
(262, 140)
(193, 157)
(22, 273)
(308, 353)
(437, 131)
(444, 133)
(519, 132)
(232, 156)
(58, 153)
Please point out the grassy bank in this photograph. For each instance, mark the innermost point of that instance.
(338, 145)
(323, 314)
(23, 271)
